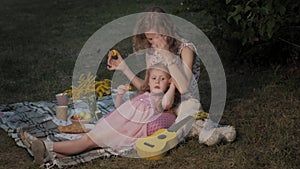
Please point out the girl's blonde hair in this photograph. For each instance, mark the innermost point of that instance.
(155, 19)
(145, 87)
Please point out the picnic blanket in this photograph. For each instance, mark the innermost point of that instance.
(38, 119)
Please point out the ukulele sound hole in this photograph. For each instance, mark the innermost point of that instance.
(148, 144)
(161, 136)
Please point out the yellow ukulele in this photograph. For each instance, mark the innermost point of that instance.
(155, 146)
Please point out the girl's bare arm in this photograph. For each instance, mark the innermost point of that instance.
(168, 98)
(120, 64)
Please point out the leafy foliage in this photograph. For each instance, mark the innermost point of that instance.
(255, 24)
(250, 20)
(258, 20)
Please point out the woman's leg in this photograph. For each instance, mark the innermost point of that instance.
(74, 146)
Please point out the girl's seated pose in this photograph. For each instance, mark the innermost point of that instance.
(122, 127)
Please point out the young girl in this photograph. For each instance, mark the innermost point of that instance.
(122, 127)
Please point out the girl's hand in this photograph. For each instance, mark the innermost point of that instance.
(123, 88)
(115, 64)
(173, 83)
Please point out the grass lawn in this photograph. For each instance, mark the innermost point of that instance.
(40, 41)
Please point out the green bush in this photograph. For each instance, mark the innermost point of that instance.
(257, 19)
(258, 26)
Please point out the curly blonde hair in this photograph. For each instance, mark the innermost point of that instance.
(155, 19)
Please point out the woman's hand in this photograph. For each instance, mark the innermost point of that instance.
(115, 64)
(160, 42)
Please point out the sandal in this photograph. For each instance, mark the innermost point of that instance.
(38, 149)
(27, 138)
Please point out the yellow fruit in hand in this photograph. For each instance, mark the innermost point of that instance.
(113, 53)
(128, 87)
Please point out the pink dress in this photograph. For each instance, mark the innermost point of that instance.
(122, 127)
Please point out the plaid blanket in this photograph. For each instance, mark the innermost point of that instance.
(38, 119)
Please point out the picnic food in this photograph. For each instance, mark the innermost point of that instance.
(76, 117)
(128, 87)
(82, 116)
(114, 53)
(74, 128)
(87, 116)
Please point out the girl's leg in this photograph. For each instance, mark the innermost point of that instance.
(40, 148)
(74, 146)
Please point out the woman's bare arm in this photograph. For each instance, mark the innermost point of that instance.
(182, 77)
